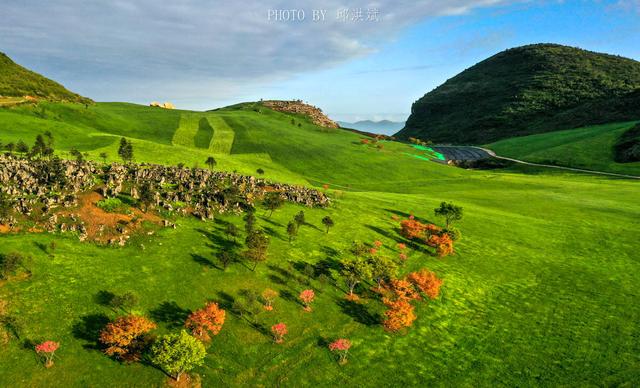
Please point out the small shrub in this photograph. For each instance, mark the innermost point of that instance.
(113, 205)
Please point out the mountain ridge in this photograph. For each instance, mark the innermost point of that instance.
(526, 90)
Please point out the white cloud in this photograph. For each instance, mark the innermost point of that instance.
(191, 49)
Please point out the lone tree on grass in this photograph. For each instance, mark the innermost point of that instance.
(327, 222)
(10, 147)
(125, 338)
(341, 346)
(382, 269)
(307, 297)
(257, 245)
(22, 147)
(232, 231)
(125, 302)
(225, 258)
(249, 221)
(104, 156)
(273, 201)
(206, 321)
(300, 219)
(177, 354)
(292, 230)
(269, 296)
(47, 350)
(279, 330)
(211, 162)
(125, 151)
(355, 270)
(449, 211)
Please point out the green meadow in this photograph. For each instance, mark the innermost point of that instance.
(588, 148)
(542, 289)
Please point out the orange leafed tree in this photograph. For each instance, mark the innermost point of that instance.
(427, 282)
(399, 315)
(442, 243)
(401, 289)
(412, 228)
(124, 337)
(206, 320)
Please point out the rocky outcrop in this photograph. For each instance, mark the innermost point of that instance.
(43, 185)
(166, 105)
(298, 107)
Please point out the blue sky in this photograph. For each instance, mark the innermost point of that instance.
(204, 54)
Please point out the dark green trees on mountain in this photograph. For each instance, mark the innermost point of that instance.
(627, 149)
(526, 90)
(16, 81)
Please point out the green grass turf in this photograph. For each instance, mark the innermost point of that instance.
(542, 290)
(588, 148)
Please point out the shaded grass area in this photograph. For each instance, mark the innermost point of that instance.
(204, 135)
(588, 148)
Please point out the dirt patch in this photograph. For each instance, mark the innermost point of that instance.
(101, 225)
(4, 229)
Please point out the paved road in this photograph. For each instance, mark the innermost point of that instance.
(476, 153)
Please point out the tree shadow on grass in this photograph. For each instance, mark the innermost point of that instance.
(42, 247)
(407, 215)
(226, 300)
(104, 298)
(397, 238)
(269, 221)
(204, 261)
(89, 328)
(170, 313)
(358, 312)
(218, 242)
(290, 297)
(272, 232)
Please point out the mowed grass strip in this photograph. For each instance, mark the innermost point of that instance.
(223, 135)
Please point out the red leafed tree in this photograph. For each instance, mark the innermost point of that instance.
(206, 320)
(47, 349)
(124, 338)
(341, 346)
(400, 314)
(427, 282)
(279, 330)
(307, 297)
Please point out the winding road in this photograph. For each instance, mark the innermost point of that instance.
(476, 153)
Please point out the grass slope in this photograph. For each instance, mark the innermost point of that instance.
(588, 147)
(542, 290)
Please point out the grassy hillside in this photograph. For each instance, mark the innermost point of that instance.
(16, 81)
(527, 300)
(527, 90)
(589, 148)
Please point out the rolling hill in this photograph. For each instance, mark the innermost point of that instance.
(18, 82)
(528, 90)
